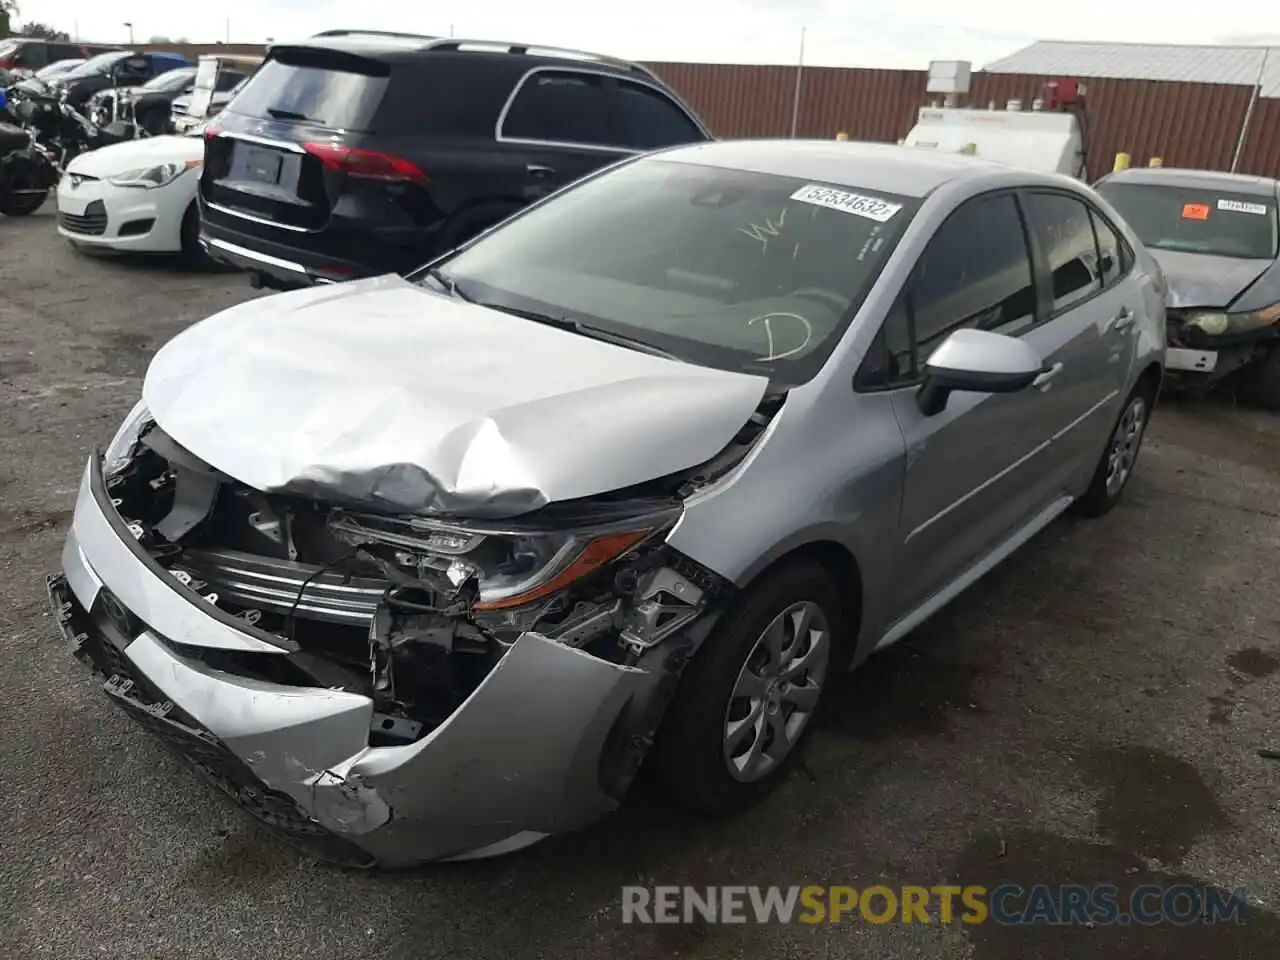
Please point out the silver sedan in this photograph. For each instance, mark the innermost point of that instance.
(425, 568)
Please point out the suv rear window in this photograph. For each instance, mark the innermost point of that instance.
(1192, 220)
(342, 92)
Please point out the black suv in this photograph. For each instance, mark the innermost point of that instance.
(354, 153)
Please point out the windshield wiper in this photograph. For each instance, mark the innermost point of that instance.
(279, 114)
(585, 329)
(450, 285)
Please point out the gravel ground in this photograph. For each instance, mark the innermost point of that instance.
(1091, 712)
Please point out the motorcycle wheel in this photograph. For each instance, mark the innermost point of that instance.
(20, 205)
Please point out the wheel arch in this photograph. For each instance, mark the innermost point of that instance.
(845, 571)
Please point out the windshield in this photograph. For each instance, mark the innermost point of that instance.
(53, 69)
(96, 65)
(1192, 220)
(726, 268)
(170, 80)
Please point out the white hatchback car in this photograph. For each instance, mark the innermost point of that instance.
(138, 196)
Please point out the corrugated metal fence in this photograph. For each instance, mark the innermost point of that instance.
(1185, 124)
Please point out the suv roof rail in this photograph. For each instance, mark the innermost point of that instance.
(540, 49)
(374, 33)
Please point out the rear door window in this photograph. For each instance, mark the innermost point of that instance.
(1062, 228)
(316, 86)
(560, 106)
(646, 119)
(975, 272)
(1113, 255)
(1193, 220)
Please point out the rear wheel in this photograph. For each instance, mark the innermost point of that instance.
(1121, 455)
(746, 700)
(1262, 380)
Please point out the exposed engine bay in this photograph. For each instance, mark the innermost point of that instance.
(414, 612)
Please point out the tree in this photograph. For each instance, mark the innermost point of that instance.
(7, 9)
(44, 32)
(158, 38)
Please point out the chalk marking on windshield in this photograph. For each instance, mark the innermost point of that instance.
(770, 229)
(768, 330)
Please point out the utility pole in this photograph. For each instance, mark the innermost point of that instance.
(795, 103)
(129, 24)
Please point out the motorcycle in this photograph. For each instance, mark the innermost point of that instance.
(35, 151)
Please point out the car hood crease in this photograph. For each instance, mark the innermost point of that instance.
(384, 394)
(1206, 280)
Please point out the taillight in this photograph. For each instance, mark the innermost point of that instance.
(210, 132)
(7, 63)
(366, 164)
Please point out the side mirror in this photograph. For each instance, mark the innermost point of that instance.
(978, 361)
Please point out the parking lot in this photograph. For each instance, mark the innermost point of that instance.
(1091, 712)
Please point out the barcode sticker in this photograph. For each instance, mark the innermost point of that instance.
(1237, 206)
(873, 208)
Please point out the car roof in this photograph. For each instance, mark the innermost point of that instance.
(1195, 179)
(399, 47)
(906, 171)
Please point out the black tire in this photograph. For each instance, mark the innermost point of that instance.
(1102, 494)
(1262, 380)
(689, 757)
(22, 205)
(192, 253)
(153, 122)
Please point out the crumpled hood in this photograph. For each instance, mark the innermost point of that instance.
(1205, 280)
(381, 393)
(118, 158)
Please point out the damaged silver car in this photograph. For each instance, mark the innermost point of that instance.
(425, 568)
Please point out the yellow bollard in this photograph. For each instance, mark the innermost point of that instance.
(1156, 162)
(842, 135)
(1122, 162)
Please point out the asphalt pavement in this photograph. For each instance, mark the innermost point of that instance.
(1092, 711)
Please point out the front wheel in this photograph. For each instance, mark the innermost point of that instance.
(1118, 460)
(747, 698)
(1262, 380)
(22, 204)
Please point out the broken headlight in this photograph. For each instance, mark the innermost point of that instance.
(538, 565)
(1217, 323)
(121, 448)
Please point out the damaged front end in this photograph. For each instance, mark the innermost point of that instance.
(394, 688)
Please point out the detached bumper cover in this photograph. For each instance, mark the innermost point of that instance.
(523, 756)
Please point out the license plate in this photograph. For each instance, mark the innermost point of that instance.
(1199, 361)
(263, 165)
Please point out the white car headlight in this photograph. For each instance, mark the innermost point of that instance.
(151, 177)
(120, 450)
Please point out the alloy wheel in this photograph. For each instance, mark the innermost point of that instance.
(1124, 445)
(777, 691)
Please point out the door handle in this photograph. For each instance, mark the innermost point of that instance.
(539, 170)
(1046, 377)
(1122, 320)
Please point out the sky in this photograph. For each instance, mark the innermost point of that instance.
(864, 33)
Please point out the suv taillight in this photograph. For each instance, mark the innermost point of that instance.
(8, 63)
(366, 164)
